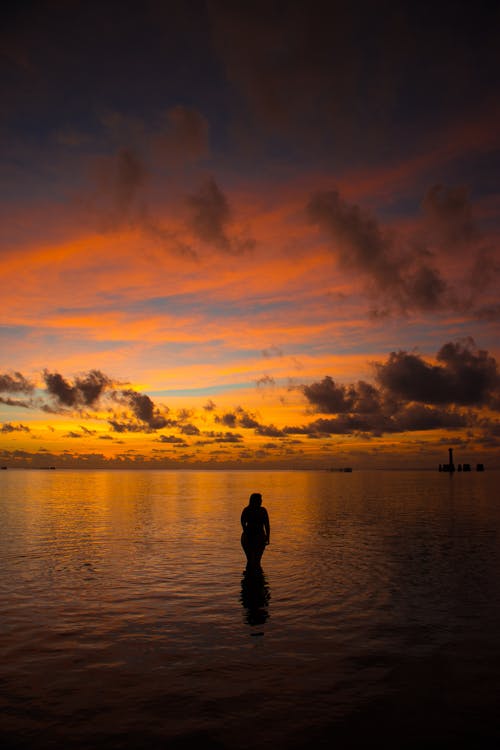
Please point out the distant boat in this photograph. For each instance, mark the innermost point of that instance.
(345, 469)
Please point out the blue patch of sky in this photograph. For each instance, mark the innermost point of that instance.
(189, 304)
(205, 391)
(208, 351)
(75, 341)
(16, 332)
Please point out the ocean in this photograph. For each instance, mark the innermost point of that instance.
(127, 619)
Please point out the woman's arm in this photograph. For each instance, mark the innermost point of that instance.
(267, 526)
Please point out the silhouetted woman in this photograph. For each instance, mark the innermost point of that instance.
(256, 530)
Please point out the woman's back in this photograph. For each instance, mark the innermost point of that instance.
(254, 520)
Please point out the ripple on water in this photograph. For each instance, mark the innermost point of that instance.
(126, 612)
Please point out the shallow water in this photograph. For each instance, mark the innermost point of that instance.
(127, 620)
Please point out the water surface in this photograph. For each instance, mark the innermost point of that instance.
(127, 620)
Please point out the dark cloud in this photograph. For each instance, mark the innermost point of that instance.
(189, 429)
(246, 419)
(464, 375)
(92, 385)
(265, 380)
(118, 196)
(119, 180)
(85, 433)
(15, 383)
(272, 351)
(16, 402)
(8, 427)
(173, 439)
(239, 417)
(211, 217)
(448, 216)
(221, 437)
(228, 419)
(125, 425)
(228, 437)
(329, 398)
(409, 418)
(360, 242)
(186, 136)
(412, 394)
(402, 277)
(184, 414)
(84, 391)
(405, 273)
(88, 389)
(413, 417)
(58, 387)
(145, 410)
(269, 431)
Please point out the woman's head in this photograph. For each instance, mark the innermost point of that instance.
(255, 499)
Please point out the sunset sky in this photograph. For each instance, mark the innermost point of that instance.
(249, 234)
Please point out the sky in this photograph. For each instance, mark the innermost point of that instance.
(249, 235)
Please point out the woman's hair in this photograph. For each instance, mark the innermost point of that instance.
(255, 499)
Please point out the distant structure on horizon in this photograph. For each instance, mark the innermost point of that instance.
(450, 466)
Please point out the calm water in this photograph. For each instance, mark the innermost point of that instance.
(126, 620)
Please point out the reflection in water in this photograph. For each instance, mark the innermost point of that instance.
(125, 618)
(255, 596)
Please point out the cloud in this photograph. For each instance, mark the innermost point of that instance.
(239, 417)
(272, 351)
(411, 394)
(85, 433)
(448, 217)
(329, 398)
(118, 200)
(189, 429)
(186, 136)
(246, 419)
(210, 214)
(125, 426)
(15, 402)
(15, 383)
(120, 179)
(85, 391)
(408, 418)
(265, 380)
(413, 417)
(171, 439)
(228, 419)
(210, 219)
(464, 375)
(8, 427)
(221, 437)
(88, 389)
(439, 265)
(399, 275)
(145, 410)
(269, 431)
